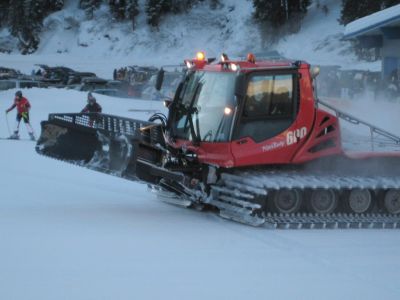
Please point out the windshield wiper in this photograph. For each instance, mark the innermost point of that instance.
(190, 111)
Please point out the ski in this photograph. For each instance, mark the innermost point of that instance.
(10, 139)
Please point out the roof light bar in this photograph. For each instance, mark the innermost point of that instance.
(251, 58)
(200, 55)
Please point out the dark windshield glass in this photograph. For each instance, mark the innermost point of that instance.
(269, 95)
(269, 106)
(206, 107)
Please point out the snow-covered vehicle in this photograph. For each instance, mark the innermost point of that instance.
(7, 73)
(248, 139)
(167, 91)
(61, 76)
(138, 77)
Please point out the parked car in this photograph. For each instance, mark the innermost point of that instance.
(111, 92)
(89, 84)
(6, 73)
(61, 75)
(7, 84)
(170, 84)
(137, 77)
(53, 75)
(77, 77)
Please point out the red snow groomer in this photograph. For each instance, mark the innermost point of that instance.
(247, 139)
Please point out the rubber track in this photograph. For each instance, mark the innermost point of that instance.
(333, 221)
(258, 181)
(236, 197)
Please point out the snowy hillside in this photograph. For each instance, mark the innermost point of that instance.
(70, 233)
(102, 45)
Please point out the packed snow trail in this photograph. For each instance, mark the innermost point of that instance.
(71, 233)
(67, 232)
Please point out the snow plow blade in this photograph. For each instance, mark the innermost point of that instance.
(118, 146)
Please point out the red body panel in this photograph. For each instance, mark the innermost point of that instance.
(218, 154)
(323, 140)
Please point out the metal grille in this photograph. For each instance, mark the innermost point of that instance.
(112, 125)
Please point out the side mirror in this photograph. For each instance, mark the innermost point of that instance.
(167, 102)
(160, 79)
(240, 85)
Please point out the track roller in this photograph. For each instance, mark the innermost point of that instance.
(323, 201)
(360, 200)
(392, 201)
(287, 201)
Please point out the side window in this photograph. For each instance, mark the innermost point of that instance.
(269, 106)
(269, 96)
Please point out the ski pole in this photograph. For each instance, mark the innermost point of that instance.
(8, 126)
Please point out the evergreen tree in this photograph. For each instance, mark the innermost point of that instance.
(368, 7)
(16, 17)
(124, 10)
(278, 12)
(271, 11)
(389, 3)
(349, 12)
(132, 10)
(32, 25)
(178, 6)
(214, 4)
(4, 4)
(89, 6)
(295, 11)
(156, 8)
(25, 19)
(118, 8)
(25, 23)
(353, 10)
(52, 5)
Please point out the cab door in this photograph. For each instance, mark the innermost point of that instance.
(266, 131)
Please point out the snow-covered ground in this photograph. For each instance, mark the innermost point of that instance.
(71, 233)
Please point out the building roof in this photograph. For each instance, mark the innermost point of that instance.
(370, 25)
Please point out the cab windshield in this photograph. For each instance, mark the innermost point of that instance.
(205, 107)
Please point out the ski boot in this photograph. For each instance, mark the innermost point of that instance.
(14, 136)
(32, 136)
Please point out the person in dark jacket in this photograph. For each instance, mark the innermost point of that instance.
(92, 106)
(23, 106)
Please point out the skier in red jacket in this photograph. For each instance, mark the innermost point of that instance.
(23, 106)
